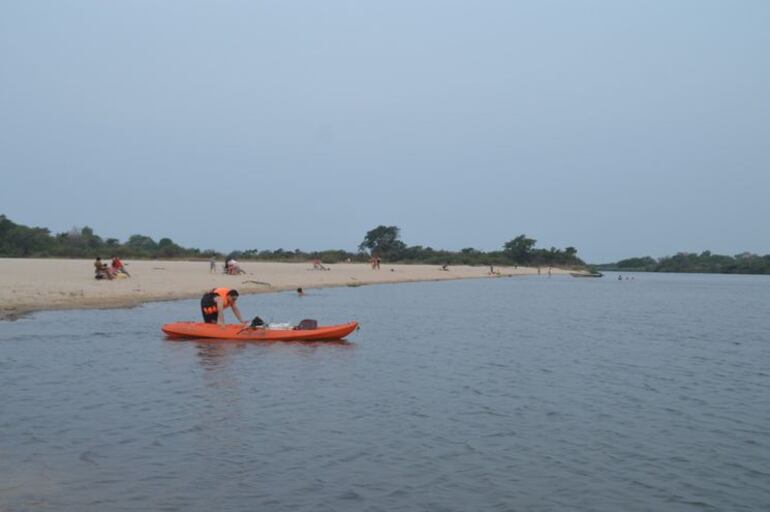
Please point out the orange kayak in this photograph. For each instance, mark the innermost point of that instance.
(239, 332)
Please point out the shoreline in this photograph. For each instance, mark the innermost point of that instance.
(31, 285)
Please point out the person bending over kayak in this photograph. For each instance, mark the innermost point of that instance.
(214, 303)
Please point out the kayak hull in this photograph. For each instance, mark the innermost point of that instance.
(580, 274)
(200, 330)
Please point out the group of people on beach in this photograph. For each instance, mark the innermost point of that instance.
(116, 269)
(231, 268)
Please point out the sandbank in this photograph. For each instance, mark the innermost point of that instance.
(28, 285)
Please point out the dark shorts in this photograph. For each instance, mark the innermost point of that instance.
(209, 308)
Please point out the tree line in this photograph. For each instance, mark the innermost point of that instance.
(17, 240)
(384, 241)
(705, 262)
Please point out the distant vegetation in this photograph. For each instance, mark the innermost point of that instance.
(705, 262)
(17, 240)
(21, 241)
(384, 241)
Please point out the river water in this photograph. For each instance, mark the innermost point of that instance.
(530, 394)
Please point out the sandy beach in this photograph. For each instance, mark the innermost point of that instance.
(28, 285)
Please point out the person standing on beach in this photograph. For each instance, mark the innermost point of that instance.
(214, 303)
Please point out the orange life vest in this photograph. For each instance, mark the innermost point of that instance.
(208, 302)
(222, 292)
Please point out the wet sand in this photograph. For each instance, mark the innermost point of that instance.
(28, 285)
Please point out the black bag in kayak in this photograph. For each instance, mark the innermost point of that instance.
(306, 325)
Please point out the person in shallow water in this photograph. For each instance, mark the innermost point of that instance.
(214, 303)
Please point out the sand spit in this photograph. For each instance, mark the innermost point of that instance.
(28, 285)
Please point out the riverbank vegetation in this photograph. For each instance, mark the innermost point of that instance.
(705, 262)
(21, 241)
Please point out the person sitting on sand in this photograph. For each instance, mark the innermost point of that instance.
(119, 267)
(101, 270)
(214, 303)
(232, 268)
(445, 266)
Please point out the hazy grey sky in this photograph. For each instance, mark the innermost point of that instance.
(620, 127)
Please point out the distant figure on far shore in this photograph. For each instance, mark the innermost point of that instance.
(300, 292)
(212, 265)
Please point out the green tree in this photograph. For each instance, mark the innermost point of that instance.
(18, 240)
(141, 245)
(519, 249)
(168, 249)
(383, 240)
(90, 240)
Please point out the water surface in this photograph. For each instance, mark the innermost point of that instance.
(530, 394)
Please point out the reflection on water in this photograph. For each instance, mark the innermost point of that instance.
(509, 394)
(214, 355)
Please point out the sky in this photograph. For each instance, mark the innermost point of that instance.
(622, 128)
